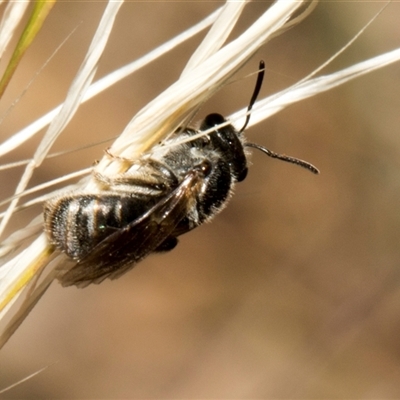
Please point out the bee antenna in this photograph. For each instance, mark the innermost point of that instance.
(283, 157)
(260, 78)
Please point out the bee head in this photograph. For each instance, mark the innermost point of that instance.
(228, 144)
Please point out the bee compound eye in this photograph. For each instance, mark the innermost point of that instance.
(242, 175)
(214, 119)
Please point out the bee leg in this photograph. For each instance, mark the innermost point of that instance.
(152, 174)
(102, 179)
(167, 245)
(124, 179)
(107, 151)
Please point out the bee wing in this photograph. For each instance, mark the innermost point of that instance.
(121, 250)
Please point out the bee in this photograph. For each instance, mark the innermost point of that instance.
(166, 193)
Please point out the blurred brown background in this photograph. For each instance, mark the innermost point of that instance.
(294, 290)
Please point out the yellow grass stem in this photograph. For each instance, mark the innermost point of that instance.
(39, 13)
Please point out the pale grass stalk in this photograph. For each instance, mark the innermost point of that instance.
(277, 102)
(79, 86)
(104, 83)
(211, 66)
(39, 371)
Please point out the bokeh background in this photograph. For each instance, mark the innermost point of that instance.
(294, 290)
